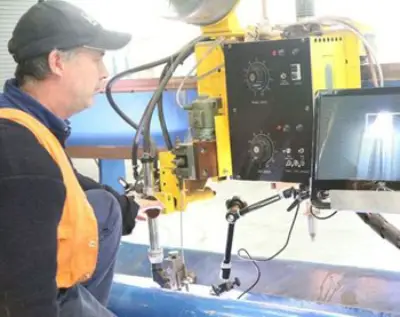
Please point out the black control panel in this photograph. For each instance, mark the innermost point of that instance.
(270, 100)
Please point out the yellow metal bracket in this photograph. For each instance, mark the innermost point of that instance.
(229, 26)
(171, 194)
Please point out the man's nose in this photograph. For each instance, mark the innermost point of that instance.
(103, 71)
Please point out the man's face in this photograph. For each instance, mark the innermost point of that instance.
(81, 76)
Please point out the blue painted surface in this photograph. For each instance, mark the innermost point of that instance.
(100, 125)
(110, 171)
(107, 174)
(295, 282)
(135, 301)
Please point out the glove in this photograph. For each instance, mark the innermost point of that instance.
(137, 209)
(134, 209)
(129, 210)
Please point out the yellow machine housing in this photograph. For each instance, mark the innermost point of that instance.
(335, 60)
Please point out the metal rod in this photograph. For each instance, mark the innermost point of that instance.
(304, 9)
(155, 251)
(148, 178)
(264, 10)
(154, 234)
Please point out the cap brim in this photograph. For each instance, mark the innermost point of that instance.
(110, 40)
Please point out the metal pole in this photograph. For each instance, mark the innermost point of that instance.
(304, 9)
(155, 251)
(264, 10)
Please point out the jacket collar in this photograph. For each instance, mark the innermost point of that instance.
(18, 99)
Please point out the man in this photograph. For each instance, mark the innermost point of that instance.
(59, 230)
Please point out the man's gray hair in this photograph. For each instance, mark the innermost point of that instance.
(37, 68)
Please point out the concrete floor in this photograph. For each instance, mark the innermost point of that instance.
(341, 240)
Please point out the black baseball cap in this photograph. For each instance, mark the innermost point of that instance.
(56, 24)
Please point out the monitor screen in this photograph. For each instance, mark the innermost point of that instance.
(358, 137)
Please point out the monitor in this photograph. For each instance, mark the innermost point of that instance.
(356, 138)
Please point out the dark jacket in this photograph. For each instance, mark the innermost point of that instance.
(32, 196)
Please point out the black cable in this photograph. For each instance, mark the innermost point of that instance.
(122, 114)
(178, 61)
(146, 118)
(172, 62)
(161, 116)
(255, 260)
(160, 107)
(258, 275)
(163, 124)
(127, 72)
(322, 218)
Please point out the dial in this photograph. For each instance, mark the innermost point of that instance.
(261, 148)
(257, 76)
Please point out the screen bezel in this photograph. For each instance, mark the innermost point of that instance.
(350, 184)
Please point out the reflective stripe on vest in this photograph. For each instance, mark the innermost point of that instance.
(77, 230)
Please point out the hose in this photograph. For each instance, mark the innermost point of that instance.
(161, 116)
(144, 123)
(172, 62)
(127, 72)
(124, 116)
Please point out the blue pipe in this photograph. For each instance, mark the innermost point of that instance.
(294, 285)
(130, 299)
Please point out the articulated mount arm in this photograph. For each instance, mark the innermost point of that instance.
(234, 213)
(238, 208)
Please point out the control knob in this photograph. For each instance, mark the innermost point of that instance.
(261, 148)
(257, 77)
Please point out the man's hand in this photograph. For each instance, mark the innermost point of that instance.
(146, 205)
(135, 209)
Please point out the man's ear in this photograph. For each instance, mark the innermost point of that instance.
(56, 63)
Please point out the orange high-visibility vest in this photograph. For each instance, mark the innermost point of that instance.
(77, 231)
